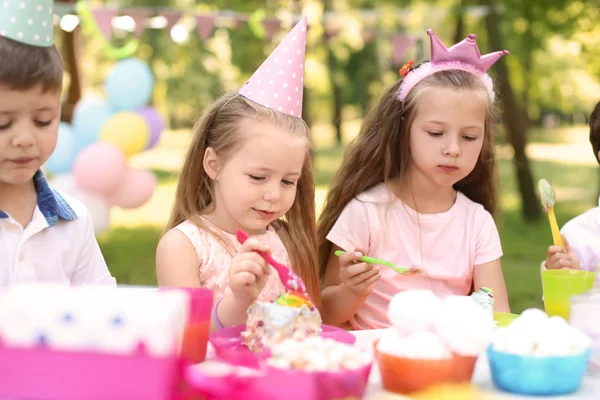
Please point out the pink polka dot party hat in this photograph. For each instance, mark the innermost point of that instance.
(278, 83)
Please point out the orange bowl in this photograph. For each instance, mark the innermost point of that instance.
(406, 375)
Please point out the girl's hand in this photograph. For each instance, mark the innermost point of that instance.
(562, 258)
(248, 271)
(358, 276)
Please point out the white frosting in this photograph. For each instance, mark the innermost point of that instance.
(464, 326)
(317, 354)
(427, 327)
(418, 345)
(413, 310)
(534, 333)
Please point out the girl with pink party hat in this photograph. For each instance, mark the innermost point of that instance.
(248, 167)
(417, 188)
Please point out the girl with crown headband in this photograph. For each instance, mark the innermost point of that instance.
(417, 187)
(248, 167)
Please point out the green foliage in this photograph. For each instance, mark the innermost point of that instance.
(554, 62)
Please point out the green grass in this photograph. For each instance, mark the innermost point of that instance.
(130, 252)
(164, 176)
(563, 134)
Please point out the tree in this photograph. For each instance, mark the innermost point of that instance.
(336, 89)
(71, 50)
(513, 118)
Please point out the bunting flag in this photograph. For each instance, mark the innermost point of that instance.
(172, 17)
(271, 26)
(103, 17)
(331, 31)
(207, 22)
(369, 35)
(139, 16)
(400, 44)
(205, 25)
(239, 20)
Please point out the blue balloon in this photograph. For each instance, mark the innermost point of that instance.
(89, 117)
(129, 85)
(64, 154)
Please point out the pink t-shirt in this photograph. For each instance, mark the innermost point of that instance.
(452, 244)
(214, 259)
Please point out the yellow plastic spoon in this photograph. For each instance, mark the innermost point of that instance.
(548, 197)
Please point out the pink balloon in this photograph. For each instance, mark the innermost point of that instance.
(134, 191)
(99, 168)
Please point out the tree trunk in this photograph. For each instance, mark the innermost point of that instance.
(369, 73)
(336, 96)
(513, 120)
(527, 59)
(306, 115)
(336, 92)
(72, 45)
(459, 28)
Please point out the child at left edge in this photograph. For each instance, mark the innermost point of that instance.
(45, 236)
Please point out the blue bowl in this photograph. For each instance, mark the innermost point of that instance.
(535, 375)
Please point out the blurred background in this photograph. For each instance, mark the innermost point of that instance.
(140, 72)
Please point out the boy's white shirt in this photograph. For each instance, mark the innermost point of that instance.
(64, 253)
(583, 234)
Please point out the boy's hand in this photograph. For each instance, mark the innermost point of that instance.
(562, 258)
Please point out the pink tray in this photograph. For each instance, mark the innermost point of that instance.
(44, 374)
(322, 385)
(275, 384)
(229, 347)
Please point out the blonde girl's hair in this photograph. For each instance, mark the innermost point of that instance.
(220, 129)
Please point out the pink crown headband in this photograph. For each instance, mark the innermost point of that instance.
(464, 56)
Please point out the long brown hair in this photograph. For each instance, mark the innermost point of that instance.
(219, 129)
(595, 131)
(381, 152)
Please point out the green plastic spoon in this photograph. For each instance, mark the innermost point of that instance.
(371, 260)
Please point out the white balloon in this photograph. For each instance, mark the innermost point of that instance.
(100, 211)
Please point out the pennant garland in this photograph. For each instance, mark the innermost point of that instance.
(207, 22)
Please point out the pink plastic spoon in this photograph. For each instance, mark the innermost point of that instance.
(289, 279)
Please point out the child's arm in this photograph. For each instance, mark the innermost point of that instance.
(177, 264)
(347, 284)
(490, 275)
(487, 271)
(91, 268)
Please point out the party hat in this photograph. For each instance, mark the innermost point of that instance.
(27, 21)
(279, 82)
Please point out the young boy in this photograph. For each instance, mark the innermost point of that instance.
(44, 236)
(582, 233)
